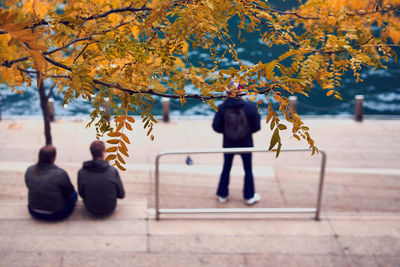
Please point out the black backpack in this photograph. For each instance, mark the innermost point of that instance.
(235, 124)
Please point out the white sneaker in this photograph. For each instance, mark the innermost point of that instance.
(222, 199)
(253, 200)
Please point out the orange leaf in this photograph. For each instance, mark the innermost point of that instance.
(114, 134)
(120, 159)
(113, 141)
(119, 126)
(130, 119)
(111, 149)
(110, 157)
(121, 118)
(128, 126)
(125, 138)
(123, 146)
(119, 166)
(123, 152)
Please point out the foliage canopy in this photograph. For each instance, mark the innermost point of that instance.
(132, 51)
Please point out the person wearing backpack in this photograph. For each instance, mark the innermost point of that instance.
(237, 120)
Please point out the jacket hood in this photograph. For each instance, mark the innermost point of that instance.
(234, 102)
(95, 165)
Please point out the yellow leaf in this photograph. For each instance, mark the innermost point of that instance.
(274, 139)
(330, 92)
(282, 127)
(278, 150)
(296, 136)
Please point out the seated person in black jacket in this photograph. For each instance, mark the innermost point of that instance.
(51, 196)
(99, 184)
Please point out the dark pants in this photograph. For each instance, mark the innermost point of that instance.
(59, 214)
(248, 188)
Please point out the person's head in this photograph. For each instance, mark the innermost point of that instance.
(47, 155)
(97, 148)
(234, 89)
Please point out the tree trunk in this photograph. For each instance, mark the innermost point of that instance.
(44, 104)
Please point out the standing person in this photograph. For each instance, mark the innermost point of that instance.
(237, 119)
(51, 196)
(99, 184)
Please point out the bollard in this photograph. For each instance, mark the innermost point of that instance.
(50, 104)
(359, 110)
(107, 109)
(293, 103)
(165, 109)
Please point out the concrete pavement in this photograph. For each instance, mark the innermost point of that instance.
(360, 223)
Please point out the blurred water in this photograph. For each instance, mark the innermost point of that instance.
(381, 88)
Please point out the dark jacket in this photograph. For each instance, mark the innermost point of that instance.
(252, 116)
(48, 188)
(99, 185)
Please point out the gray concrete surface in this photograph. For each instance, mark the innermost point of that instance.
(360, 223)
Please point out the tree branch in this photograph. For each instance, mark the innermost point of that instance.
(356, 13)
(284, 12)
(172, 96)
(80, 53)
(58, 64)
(118, 10)
(9, 64)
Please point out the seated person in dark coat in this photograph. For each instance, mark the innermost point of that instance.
(99, 184)
(251, 121)
(51, 196)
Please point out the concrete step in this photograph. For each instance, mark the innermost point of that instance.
(126, 210)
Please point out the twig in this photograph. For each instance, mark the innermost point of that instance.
(80, 53)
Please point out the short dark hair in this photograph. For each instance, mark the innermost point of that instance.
(97, 148)
(47, 154)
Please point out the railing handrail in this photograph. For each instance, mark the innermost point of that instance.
(158, 211)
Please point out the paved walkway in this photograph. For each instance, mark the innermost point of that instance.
(360, 223)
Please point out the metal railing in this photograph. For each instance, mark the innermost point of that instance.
(159, 211)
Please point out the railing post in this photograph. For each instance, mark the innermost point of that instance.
(321, 185)
(165, 109)
(359, 109)
(156, 184)
(0, 105)
(50, 104)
